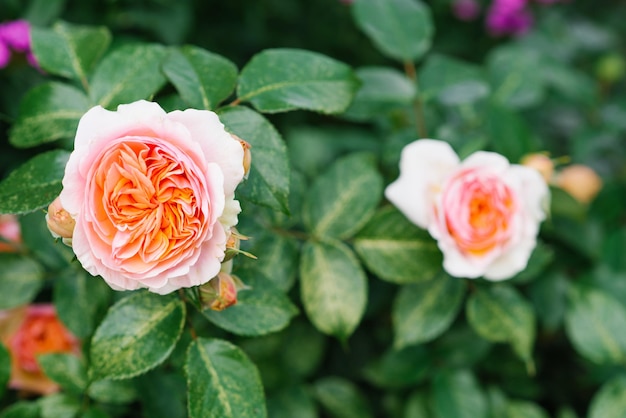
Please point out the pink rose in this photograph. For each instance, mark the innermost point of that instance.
(484, 212)
(28, 332)
(152, 194)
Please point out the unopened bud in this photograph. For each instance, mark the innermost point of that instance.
(60, 222)
(580, 181)
(220, 292)
(247, 155)
(233, 244)
(540, 162)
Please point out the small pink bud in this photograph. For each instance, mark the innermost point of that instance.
(10, 233)
(220, 292)
(580, 181)
(540, 162)
(60, 222)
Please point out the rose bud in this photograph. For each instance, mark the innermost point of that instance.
(60, 222)
(10, 233)
(247, 155)
(579, 181)
(220, 292)
(541, 163)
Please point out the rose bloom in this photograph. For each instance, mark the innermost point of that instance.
(10, 233)
(152, 194)
(28, 332)
(483, 212)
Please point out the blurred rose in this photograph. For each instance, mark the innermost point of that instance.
(484, 212)
(9, 231)
(28, 332)
(540, 162)
(152, 194)
(580, 181)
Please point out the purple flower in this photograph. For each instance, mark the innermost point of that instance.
(5, 55)
(15, 36)
(466, 10)
(508, 17)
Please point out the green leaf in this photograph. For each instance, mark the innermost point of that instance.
(341, 398)
(423, 311)
(80, 300)
(127, 74)
(396, 250)
(452, 82)
(515, 79)
(116, 392)
(163, 394)
(417, 406)
(333, 287)
(398, 369)
(222, 381)
(344, 198)
(138, 333)
(259, 310)
(458, 395)
(65, 369)
(59, 405)
(69, 50)
(524, 409)
(400, 29)
(268, 181)
(5, 368)
(290, 402)
(22, 409)
(500, 314)
(48, 112)
(94, 412)
(52, 253)
(20, 281)
(382, 89)
(509, 134)
(278, 80)
(280, 258)
(610, 400)
(594, 322)
(34, 184)
(202, 78)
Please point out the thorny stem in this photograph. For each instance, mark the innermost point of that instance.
(418, 107)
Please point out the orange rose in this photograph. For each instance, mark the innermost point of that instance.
(28, 332)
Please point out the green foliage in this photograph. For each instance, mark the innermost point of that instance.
(278, 80)
(347, 310)
(34, 184)
(222, 381)
(333, 287)
(138, 333)
(202, 78)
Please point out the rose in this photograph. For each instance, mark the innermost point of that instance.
(28, 332)
(484, 212)
(152, 194)
(10, 233)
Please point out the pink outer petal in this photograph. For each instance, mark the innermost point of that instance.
(217, 144)
(5, 54)
(16, 35)
(424, 166)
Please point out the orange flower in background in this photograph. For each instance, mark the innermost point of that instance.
(28, 332)
(9, 231)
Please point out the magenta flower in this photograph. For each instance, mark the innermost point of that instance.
(15, 36)
(508, 17)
